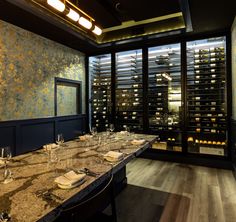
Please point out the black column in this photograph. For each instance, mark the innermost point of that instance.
(145, 89)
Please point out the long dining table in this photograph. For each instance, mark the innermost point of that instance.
(33, 194)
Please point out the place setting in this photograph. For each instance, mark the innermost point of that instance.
(70, 180)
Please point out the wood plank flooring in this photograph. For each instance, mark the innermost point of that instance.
(174, 192)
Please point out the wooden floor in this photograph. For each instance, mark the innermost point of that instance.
(173, 192)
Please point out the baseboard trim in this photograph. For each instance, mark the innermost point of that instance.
(189, 159)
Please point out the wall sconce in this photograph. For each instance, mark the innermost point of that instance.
(70, 11)
(57, 4)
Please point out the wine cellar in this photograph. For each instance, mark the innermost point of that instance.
(185, 90)
(100, 73)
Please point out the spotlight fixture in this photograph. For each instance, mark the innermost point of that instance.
(85, 23)
(97, 30)
(57, 4)
(71, 13)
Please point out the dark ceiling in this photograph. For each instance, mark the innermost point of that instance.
(203, 15)
(110, 13)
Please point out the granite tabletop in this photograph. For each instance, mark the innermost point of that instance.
(34, 196)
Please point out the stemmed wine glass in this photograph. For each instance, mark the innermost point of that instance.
(112, 127)
(60, 139)
(6, 155)
(94, 131)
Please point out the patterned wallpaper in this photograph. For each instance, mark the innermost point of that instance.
(28, 65)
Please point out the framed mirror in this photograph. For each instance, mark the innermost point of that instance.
(67, 97)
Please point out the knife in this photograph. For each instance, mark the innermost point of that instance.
(88, 172)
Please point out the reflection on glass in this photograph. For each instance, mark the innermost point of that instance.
(165, 95)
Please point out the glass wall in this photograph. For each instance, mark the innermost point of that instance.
(200, 128)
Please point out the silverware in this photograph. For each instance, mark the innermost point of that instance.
(88, 172)
(4, 217)
(47, 195)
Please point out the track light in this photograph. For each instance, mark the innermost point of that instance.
(69, 11)
(57, 4)
(73, 15)
(85, 23)
(97, 30)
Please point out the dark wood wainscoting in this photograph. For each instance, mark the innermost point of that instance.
(27, 135)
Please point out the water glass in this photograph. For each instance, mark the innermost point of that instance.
(60, 139)
(94, 131)
(6, 155)
(112, 127)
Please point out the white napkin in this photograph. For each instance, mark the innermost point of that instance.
(138, 142)
(70, 179)
(2, 161)
(113, 156)
(85, 137)
(50, 146)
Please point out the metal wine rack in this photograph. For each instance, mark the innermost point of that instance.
(129, 90)
(100, 97)
(206, 91)
(164, 95)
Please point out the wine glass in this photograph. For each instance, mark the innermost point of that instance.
(112, 127)
(94, 131)
(127, 129)
(6, 155)
(60, 139)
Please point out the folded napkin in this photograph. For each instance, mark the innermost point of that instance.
(85, 137)
(138, 142)
(113, 156)
(123, 132)
(2, 161)
(50, 146)
(70, 180)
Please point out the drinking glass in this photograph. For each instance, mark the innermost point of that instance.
(94, 131)
(6, 155)
(108, 132)
(127, 129)
(112, 127)
(53, 161)
(60, 139)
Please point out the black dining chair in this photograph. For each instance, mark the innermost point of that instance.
(90, 209)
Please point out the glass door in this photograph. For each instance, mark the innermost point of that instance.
(129, 90)
(164, 96)
(100, 91)
(206, 96)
